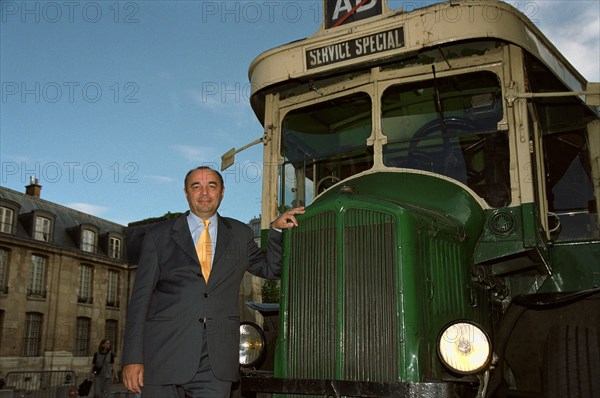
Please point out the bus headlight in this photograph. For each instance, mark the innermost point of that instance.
(252, 344)
(464, 347)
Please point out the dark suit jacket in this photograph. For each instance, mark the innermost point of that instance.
(170, 300)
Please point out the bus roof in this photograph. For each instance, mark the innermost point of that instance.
(397, 35)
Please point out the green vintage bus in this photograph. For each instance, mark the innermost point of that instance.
(449, 161)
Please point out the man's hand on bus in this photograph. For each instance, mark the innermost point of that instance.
(287, 219)
(133, 377)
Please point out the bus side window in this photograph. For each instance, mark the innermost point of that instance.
(569, 185)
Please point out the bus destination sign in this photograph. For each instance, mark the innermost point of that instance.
(351, 49)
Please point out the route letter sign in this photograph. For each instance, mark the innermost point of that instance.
(338, 12)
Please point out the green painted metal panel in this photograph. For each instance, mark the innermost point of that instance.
(369, 280)
(423, 191)
(575, 266)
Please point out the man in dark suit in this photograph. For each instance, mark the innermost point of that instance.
(182, 330)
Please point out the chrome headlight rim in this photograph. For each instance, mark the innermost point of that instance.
(246, 345)
(477, 332)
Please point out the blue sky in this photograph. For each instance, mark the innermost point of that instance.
(110, 103)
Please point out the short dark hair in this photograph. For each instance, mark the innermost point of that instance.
(187, 176)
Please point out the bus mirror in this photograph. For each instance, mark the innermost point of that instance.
(228, 157)
(593, 99)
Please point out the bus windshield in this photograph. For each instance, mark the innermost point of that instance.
(449, 126)
(323, 144)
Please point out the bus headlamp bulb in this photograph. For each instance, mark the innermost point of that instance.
(464, 348)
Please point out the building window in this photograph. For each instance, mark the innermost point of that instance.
(1, 326)
(255, 225)
(37, 277)
(85, 284)
(111, 332)
(112, 299)
(6, 219)
(42, 229)
(32, 334)
(82, 337)
(114, 247)
(3, 271)
(88, 241)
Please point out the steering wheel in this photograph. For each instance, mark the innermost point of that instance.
(452, 152)
(326, 178)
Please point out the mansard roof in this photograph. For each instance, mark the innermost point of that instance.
(64, 218)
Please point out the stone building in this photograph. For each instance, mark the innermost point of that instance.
(64, 283)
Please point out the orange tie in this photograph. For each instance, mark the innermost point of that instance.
(204, 250)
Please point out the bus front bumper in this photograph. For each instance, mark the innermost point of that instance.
(264, 382)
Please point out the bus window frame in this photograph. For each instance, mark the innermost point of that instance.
(375, 84)
(307, 100)
(502, 126)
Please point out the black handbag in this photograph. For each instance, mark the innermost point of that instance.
(84, 388)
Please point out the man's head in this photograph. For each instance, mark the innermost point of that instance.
(204, 190)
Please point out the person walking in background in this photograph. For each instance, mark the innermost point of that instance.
(182, 329)
(102, 369)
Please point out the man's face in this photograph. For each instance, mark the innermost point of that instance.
(204, 192)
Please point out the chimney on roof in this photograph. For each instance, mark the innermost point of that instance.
(34, 188)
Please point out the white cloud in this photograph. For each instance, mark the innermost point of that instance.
(574, 28)
(88, 208)
(198, 154)
(161, 179)
(16, 158)
(207, 101)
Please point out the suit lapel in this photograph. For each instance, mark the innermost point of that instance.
(183, 237)
(223, 239)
